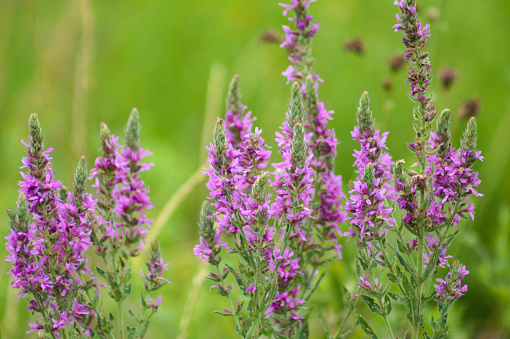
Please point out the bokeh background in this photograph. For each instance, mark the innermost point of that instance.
(79, 63)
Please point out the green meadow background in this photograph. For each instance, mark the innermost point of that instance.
(79, 63)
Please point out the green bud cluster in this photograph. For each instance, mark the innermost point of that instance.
(400, 171)
(18, 220)
(220, 141)
(468, 141)
(298, 149)
(133, 131)
(364, 116)
(80, 180)
(257, 192)
(207, 231)
(296, 106)
(234, 95)
(36, 147)
(369, 175)
(104, 135)
(443, 132)
(311, 98)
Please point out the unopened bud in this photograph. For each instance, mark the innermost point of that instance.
(133, 131)
(368, 174)
(365, 120)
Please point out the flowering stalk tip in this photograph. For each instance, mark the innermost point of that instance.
(133, 131)
(443, 132)
(366, 122)
(234, 95)
(469, 137)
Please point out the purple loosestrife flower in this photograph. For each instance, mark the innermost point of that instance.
(131, 194)
(453, 179)
(210, 245)
(288, 265)
(432, 243)
(121, 218)
(108, 173)
(450, 289)
(48, 254)
(238, 123)
(286, 302)
(298, 41)
(328, 195)
(226, 181)
(293, 186)
(420, 72)
(26, 273)
(369, 215)
(254, 156)
(415, 37)
(153, 281)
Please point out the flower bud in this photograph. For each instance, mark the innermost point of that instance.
(368, 174)
(298, 149)
(132, 131)
(296, 107)
(80, 180)
(443, 132)
(365, 120)
(234, 95)
(311, 97)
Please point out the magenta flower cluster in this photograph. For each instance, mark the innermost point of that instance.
(52, 228)
(47, 254)
(295, 229)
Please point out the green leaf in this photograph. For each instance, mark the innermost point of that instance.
(396, 297)
(404, 263)
(216, 280)
(225, 314)
(100, 272)
(144, 304)
(372, 305)
(324, 327)
(127, 290)
(144, 328)
(387, 305)
(348, 304)
(431, 265)
(367, 329)
(303, 332)
(238, 278)
(399, 272)
(254, 331)
(316, 285)
(393, 278)
(401, 247)
(425, 334)
(411, 300)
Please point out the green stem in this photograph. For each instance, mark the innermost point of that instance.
(43, 312)
(388, 326)
(120, 314)
(417, 316)
(383, 313)
(347, 316)
(141, 319)
(229, 299)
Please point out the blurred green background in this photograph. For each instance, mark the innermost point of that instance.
(79, 63)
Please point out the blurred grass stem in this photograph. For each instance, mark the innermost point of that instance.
(212, 109)
(172, 204)
(82, 79)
